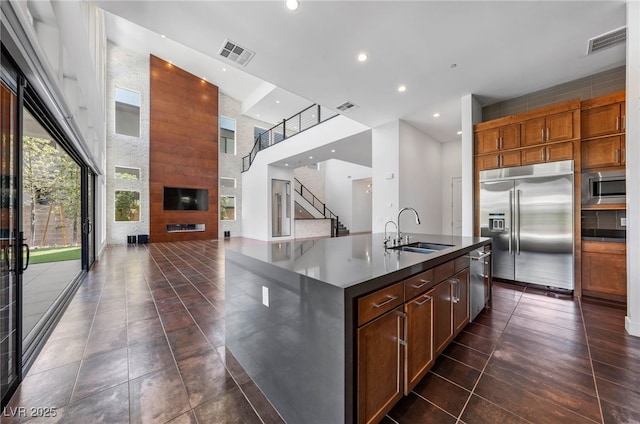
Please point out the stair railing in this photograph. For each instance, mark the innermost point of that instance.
(318, 205)
(301, 121)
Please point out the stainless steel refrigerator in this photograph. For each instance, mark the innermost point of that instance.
(528, 212)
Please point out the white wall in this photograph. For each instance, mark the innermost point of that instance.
(471, 114)
(420, 180)
(385, 156)
(451, 168)
(632, 322)
(339, 190)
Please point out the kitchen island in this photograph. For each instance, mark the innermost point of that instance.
(292, 314)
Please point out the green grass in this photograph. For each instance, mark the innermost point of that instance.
(54, 254)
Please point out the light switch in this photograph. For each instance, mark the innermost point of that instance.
(388, 175)
(265, 296)
(623, 222)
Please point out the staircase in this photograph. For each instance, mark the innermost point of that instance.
(321, 210)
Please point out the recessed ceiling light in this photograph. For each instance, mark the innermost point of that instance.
(292, 4)
(362, 57)
(224, 69)
(258, 115)
(163, 36)
(333, 150)
(277, 101)
(436, 115)
(402, 88)
(310, 157)
(286, 164)
(459, 133)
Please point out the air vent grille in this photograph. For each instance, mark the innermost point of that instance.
(235, 53)
(347, 106)
(609, 39)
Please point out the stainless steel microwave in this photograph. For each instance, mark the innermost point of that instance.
(601, 188)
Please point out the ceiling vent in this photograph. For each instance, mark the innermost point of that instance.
(609, 39)
(235, 53)
(347, 106)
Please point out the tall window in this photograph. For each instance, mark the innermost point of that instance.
(127, 205)
(227, 135)
(127, 112)
(227, 208)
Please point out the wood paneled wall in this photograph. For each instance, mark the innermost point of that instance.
(183, 148)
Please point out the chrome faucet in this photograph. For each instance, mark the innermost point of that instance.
(398, 226)
(388, 239)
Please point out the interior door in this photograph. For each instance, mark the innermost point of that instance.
(10, 244)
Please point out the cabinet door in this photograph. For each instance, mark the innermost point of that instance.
(533, 155)
(460, 300)
(559, 151)
(601, 152)
(419, 348)
(442, 316)
(487, 141)
(601, 120)
(604, 268)
(487, 162)
(533, 132)
(510, 136)
(380, 365)
(559, 127)
(510, 159)
(623, 150)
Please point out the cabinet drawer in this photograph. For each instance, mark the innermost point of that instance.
(379, 302)
(444, 271)
(418, 284)
(461, 263)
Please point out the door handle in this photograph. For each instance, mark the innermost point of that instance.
(8, 251)
(26, 263)
(518, 222)
(389, 300)
(511, 212)
(419, 286)
(426, 299)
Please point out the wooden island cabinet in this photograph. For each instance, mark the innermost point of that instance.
(399, 345)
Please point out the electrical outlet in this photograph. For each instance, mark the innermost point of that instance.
(623, 222)
(265, 296)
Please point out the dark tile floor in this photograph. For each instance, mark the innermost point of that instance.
(143, 342)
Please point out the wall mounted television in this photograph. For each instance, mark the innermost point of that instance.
(186, 199)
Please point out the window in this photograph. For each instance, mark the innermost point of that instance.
(127, 205)
(227, 208)
(124, 173)
(227, 182)
(127, 112)
(227, 135)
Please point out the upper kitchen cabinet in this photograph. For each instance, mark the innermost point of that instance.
(603, 152)
(495, 139)
(546, 129)
(603, 115)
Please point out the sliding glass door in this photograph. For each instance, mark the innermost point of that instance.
(10, 242)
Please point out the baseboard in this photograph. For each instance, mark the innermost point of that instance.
(633, 328)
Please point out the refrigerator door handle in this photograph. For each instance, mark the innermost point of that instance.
(517, 229)
(510, 221)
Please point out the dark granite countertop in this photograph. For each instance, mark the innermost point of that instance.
(347, 262)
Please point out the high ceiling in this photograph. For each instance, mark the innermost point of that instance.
(440, 50)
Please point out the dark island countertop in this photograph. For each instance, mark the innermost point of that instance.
(290, 308)
(348, 262)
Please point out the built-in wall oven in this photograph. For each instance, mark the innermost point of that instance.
(602, 188)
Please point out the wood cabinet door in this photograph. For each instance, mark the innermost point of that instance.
(510, 137)
(559, 151)
(559, 127)
(442, 316)
(601, 120)
(460, 300)
(509, 159)
(601, 152)
(487, 141)
(533, 155)
(604, 268)
(418, 352)
(380, 366)
(487, 162)
(533, 132)
(623, 150)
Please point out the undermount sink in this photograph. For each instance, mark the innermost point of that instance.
(422, 247)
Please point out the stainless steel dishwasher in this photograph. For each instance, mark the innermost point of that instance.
(480, 280)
